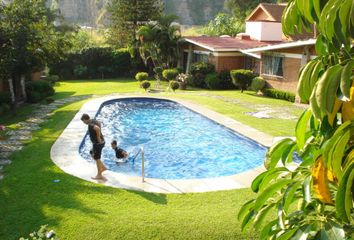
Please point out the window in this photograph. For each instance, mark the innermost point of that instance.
(200, 57)
(272, 65)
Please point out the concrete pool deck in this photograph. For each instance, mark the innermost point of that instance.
(65, 154)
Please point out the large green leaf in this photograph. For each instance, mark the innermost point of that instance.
(301, 127)
(257, 181)
(289, 194)
(245, 208)
(265, 233)
(278, 152)
(344, 201)
(332, 231)
(271, 176)
(288, 234)
(259, 219)
(247, 219)
(270, 191)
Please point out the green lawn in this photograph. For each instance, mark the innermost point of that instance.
(77, 209)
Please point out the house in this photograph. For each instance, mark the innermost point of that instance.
(280, 64)
(263, 48)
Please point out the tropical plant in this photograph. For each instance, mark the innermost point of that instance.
(224, 24)
(159, 42)
(314, 197)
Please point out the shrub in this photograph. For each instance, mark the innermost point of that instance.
(170, 74)
(278, 94)
(225, 80)
(202, 67)
(37, 90)
(242, 78)
(142, 76)
(80, 71)
(212, 81)
(179, 70)
(115, 63)
(258, 84)
(199, 70)
(5, 98)
(220, 81)
(145, 84)
(174, 85)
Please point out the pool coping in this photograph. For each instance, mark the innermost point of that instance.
(65, 154)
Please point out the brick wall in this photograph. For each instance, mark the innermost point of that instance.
(229, 63)
(291, 68)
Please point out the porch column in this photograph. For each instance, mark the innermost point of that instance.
(189, 59)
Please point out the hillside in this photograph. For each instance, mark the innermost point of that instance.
(93, 12)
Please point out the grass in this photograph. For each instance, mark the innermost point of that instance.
(77, 209)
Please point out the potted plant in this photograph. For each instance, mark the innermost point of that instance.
(183, 79)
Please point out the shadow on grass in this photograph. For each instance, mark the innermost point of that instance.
(35, 192)
(123, 80)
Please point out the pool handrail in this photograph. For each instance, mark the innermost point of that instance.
(142, 164)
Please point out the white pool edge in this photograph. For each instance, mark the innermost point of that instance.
(65, 154)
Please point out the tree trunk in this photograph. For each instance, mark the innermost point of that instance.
(13, 96)
(23, 88)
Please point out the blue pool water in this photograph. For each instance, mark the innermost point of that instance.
(178, 143)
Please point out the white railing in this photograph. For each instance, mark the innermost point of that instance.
(142, 164)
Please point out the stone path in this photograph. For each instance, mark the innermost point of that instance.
(261, 110)
(24, 129)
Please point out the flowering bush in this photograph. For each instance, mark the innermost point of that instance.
(183, 79)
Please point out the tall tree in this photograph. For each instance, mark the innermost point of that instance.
(313, 198)
(128, 15)
(224, 24)
(29, 39)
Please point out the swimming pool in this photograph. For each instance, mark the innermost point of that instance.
(178, 143)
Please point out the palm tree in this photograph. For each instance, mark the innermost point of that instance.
(159, 42)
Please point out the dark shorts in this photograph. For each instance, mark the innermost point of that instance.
(97, 150)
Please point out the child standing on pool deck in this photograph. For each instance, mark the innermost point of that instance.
(121, 154)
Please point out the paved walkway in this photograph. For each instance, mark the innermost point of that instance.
(23, 132)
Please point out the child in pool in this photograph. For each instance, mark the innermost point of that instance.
(121, 154)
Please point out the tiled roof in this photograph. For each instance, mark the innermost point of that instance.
(275, 11)
(226, 43)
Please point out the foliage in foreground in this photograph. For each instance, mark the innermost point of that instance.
(42, 233)
(314, 198)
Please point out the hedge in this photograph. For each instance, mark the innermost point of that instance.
(93, 63)
(278, 94)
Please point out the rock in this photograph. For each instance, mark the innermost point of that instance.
(5, 155)
(10, 142)
(10, 148)
(5, 162)
(21, 137)
(35, 120)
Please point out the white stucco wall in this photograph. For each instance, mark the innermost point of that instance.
(264, 31)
